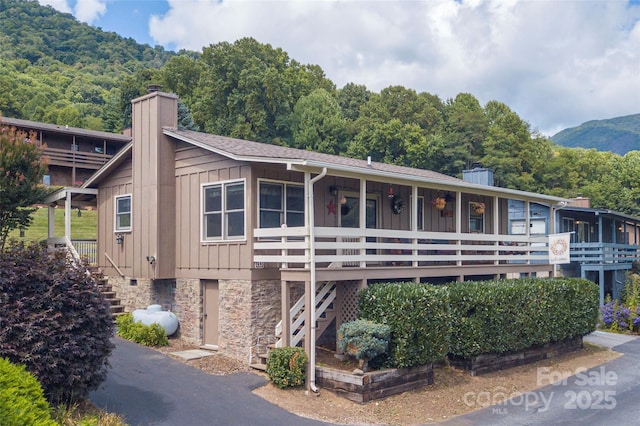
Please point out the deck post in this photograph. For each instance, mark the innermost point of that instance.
(285, 306)
(309, 314)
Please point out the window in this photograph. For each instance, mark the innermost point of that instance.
(280, 204)
(476, 221)
(123, 213)
(223, 211)
(420, 213)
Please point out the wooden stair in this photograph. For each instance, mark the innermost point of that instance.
(107, 292)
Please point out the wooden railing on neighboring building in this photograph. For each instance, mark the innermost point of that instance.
(70, 158)
(604, 253)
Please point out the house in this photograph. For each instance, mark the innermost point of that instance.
(72, 154)
(605, 245)
(237, 237)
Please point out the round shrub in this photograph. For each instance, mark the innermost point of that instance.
(22, 401)
(147, 335)
(286, 367)
(55, 321)
(363, 339)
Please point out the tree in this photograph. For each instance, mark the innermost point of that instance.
(21, 172)
(317, 123)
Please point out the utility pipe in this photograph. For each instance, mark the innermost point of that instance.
(312, 267)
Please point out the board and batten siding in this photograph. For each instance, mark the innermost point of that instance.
(118, 183)
(195, 258)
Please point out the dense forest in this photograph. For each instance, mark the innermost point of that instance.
(54, 69)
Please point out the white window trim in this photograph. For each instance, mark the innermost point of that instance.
(285, 183)
(419, 222)
(222, 239)
(115, 213)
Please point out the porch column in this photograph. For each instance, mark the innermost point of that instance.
(308, 324)
(67, 215)
(285, 306)
(363, 218)
(601, 285)
(527, 229)
(51, 221)
(496, 230)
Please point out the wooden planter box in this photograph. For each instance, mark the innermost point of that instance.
(374, 384)
(487, 363)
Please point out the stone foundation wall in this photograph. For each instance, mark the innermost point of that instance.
(133, 294)
(248, 310)
(188, 307)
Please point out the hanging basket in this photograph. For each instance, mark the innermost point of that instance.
(478, 208)
(439, 203)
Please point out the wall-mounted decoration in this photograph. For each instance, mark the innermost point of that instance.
(331, 207)
(397, 204)
(446, 213)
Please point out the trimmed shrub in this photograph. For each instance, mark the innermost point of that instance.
(418, 316)
(54, 320)
(22, 400)
(364, 339)
(511, 315)
(147, 335)
(286, 367)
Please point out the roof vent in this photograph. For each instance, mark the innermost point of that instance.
(153, 88)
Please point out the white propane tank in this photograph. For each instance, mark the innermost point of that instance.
(155, 315)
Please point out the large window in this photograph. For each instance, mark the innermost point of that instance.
(223, 211)
(123, 213)
(281, 204)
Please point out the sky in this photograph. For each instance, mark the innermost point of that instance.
(556, 63)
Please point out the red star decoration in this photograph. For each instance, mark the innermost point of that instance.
(331, 207)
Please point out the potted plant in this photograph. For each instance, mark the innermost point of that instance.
(439, 203)
(478, 208)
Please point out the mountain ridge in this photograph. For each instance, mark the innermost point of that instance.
(618, 135)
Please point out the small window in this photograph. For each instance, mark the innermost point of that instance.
(223, 211)
(281, 204)
(476, 220)
(123, 213)
(420, 213)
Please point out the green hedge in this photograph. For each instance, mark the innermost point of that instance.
(147, 335)
(511, 315)
(418, 316)
(22, 400)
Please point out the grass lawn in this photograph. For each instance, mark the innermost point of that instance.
(84, 227)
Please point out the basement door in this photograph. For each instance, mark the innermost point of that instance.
(210, 313)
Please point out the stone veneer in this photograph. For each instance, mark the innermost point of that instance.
(249, 310)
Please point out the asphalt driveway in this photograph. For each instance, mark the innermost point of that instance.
(604, 395)
(149, 388)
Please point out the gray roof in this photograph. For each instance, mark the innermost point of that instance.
(56, 128)
(254, 151)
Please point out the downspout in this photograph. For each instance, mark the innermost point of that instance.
(312, 267)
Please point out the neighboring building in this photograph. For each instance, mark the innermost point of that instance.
(72, 154)
(230, 234)
(605, 245)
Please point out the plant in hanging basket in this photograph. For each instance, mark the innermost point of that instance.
(439, 203)
(478, 208)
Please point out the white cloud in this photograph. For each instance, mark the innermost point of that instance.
(59, 5)
(90, 10)
(84, 10)
(557, 64)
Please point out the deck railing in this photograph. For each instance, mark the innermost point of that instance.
(604, 253)
(67, 157)
(341, 247)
